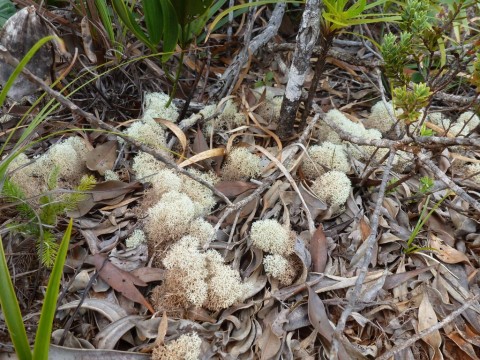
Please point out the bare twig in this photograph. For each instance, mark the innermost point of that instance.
(9, 59)
(370, 243)
(226, 83)
(396, 349)
(444, 178)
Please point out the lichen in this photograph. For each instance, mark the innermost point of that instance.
(186, 347)
(241, 164)
(155, 107)
(333, 187)
(279, 268)
(329, 156)
(270, 236)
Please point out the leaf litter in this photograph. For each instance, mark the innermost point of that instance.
(402, 293)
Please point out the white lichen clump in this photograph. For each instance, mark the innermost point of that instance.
(197, 278)
(229, 119)
(201, 195)
(469, 118)
(149, 133)
(187, 271)
(380, 118)
(329, 156)
(333, 188)
(202, 230)
(270, 236)
(69, 156)
(155, 107)
(241, 164)
(473, 172)
(111, 175)
(186, 347)
(170, 218)
(136, 238)
(279, 268)
(270, 108)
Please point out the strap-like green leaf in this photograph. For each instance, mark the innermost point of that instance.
(154, 19)
(129, 20)
(44, 331)
(170, 29)
(11, 311)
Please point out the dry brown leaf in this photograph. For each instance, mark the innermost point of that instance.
(318, 250)
(103, 157)
(232, 189)
(208, 154)
(162, 330)
(319, 320)
(446, 253)
(176, 130)
(426, 319)
(467, 348)
(120, 280)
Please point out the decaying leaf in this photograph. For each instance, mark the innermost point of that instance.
(427, 318)
(103, 157)
(121, 281)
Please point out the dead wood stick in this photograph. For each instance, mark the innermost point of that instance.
(396, 349)
(370, 243)
(9, 59)
(444, 178)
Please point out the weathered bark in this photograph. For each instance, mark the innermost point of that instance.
(306, 40)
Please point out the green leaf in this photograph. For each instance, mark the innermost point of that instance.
(7, 9)
(44, 331)
(153, 15)
(11, 311)
(129, 20)
(170, 29)
(104, 13)
(188, 10)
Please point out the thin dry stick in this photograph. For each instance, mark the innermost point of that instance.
(9, 59)
(370, 242)
(444, 178)
(396, 349)
(232, 72)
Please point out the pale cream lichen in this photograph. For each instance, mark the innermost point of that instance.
(469, 118)
(188, 268)
(225, 287)
(186, 347)
(197, 278)
(269, 110)
(155, 107)
(229, 118)
(111, 175)
(201, 196)
(279, 268)
(329, 156)
(145, 165)
(333, 187)
(170, 218)
(202, 230)
(68, 156)
(136, 238)
(472, 171)
(25, 176)
(149, 133)
(380, 118)
(270, 236)
(350, 127)
(241, 164)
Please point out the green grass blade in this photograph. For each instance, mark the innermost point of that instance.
(42, 339)
(104, 14)
(170, 29)
(128, 19)
(11, 311)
